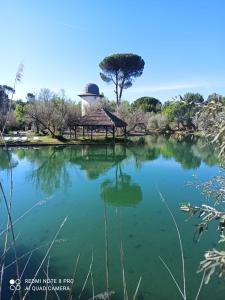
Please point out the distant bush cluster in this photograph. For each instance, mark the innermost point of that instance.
(53, 113)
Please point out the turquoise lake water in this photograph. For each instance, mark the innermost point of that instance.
(79, 182)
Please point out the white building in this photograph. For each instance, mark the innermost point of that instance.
(89, 97)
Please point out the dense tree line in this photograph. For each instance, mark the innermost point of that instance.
(46, 112)
(53, 113)
(189, 112)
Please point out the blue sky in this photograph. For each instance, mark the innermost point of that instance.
(62, 42)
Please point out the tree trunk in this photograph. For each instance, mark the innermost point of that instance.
(91, 133)
(121, 90)
(117, 92)
(75, 132)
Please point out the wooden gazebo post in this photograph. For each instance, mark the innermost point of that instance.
(91, 132)
(103, 119)
(83, 131)
(75, 131)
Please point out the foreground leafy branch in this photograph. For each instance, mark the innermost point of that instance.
(213, 259)
(207, 214)
(212, 189)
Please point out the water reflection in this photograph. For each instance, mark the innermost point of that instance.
(4, 160)
(121, 191)
(50, 171)
(95, 161)
(189, 152)
(110, 175)
(51, 165)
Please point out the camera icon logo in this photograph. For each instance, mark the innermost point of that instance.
(15, 284)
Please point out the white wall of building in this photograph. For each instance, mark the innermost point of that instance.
(86, 102)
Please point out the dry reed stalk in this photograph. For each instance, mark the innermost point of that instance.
(51, 285)
(74, 274)
(88, 274)
(171, 275)
(180, 243)
(46, 255)
(183, 294)
(137, 288)
(9, 220)
(200, 286)
(106, 249)
(93, 287)
(23, 215)
(27, 262)
(10, 246)
(9, 205)
(9, 223)
(47, 269)
(25, 254)
(125, 294)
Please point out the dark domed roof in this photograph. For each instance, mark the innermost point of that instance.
(91, 88)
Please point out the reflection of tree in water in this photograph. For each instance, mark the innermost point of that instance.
(142, 154)
(4, 160)
(50, 172)
(206, 152)
(121, 191)
(189, 152)
(50, 165)
(96, 160)
(183, 154)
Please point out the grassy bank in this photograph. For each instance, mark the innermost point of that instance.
(97, 139)
(49, 141)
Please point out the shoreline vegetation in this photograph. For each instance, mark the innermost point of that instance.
(50, 118)
(96, 140)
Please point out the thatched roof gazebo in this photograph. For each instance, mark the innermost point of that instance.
(101, 119)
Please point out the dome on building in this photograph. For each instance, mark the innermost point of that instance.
(92, 89)
(89, 96)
